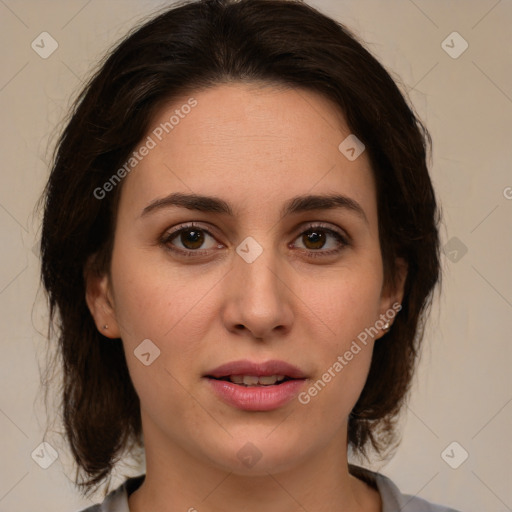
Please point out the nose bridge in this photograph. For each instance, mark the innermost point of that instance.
(259, 295)
(257, 268)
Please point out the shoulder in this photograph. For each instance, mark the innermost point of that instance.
(391, 496)
(117, 500)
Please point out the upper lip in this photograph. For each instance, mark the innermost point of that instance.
(246, 367)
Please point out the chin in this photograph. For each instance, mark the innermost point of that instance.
(259, 455)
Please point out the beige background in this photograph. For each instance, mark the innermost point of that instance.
(463, 390)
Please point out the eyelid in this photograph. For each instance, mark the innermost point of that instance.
(187, 225)
(326, 226)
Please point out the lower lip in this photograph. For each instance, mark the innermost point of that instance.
(256, 398)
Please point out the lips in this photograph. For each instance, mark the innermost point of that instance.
(250, 370)
(252, 386)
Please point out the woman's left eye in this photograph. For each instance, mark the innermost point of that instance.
(316, 237)
(192, 238)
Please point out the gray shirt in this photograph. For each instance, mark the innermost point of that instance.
(392, 499)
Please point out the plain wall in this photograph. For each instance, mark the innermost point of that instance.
(462, 391)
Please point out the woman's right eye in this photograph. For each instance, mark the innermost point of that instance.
(191, 238)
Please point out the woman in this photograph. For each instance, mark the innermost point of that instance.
(240, 241)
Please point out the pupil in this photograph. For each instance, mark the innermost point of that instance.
(192, 239)
(317, 239)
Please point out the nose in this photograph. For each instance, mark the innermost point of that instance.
(258, 297)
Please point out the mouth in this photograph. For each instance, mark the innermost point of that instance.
(253, 386)
(254, 380)
(250, 373)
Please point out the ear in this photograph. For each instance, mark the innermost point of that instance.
(100, 302)
(392, 296)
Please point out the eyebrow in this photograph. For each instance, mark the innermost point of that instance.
(294, 205)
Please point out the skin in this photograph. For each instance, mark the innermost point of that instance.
(254, 146)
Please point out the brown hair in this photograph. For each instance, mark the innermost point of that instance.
(190, 47)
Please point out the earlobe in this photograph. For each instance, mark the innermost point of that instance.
(101, 305)
(392, 297)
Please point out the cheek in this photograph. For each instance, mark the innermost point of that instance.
(159, 335)
(168, 320)
(346, 301)
(347, 306)
(151, 298)
(154, 302)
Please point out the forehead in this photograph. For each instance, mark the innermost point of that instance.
(252, 145)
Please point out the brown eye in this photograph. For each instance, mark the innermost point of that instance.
(314, 237)
(191, 238)
(189, 241)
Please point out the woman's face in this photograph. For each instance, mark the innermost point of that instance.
(264, 274)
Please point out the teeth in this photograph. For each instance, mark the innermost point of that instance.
(237, 379)
(250, 380)
(253, 380)
(270, 379)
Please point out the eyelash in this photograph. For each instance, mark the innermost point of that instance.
(168, 237)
